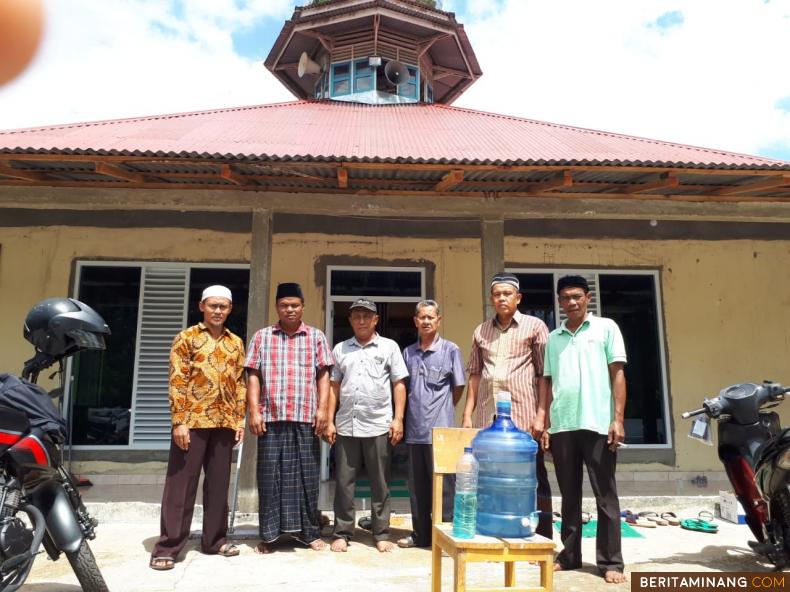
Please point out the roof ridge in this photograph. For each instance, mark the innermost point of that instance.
(587, 130)
(78, 124)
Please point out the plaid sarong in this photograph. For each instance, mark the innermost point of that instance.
(288, 475)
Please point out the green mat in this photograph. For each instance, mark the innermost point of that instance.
(588, 530)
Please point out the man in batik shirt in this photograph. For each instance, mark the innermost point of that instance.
(207, 408)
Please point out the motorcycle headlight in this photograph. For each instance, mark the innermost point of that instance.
(783, 462)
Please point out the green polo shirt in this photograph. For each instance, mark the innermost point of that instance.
(578, 365)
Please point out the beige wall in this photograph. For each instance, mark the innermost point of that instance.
(726, 305)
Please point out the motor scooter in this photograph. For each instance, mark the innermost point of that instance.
(755, 452)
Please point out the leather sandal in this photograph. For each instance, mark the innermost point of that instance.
(162, 563)
(228, 550)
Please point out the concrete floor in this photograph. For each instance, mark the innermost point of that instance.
(127, 533)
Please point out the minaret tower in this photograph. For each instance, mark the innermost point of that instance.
(375, 52)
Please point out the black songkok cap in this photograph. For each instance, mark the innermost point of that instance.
(572, 281)
(289, 290)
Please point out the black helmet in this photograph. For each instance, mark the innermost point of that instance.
(60, 327)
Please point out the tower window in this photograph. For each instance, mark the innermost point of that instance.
(363, 76)
(341, 79)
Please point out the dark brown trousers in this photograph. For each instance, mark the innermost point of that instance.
(210, 449)
(571, 451)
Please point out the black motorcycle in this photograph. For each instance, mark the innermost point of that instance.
(33, 479)
(755, 451)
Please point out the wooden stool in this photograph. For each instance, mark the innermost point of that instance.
(448, 446)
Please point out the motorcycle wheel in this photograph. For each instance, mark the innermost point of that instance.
(84, 565)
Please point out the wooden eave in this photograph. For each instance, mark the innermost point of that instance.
(587, 181)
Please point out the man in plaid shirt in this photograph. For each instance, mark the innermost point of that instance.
(288, 368)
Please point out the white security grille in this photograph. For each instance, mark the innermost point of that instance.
(162, 316)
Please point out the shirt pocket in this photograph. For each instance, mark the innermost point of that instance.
(376, 368)
(434, 376)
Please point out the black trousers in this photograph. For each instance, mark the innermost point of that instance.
(421, 493)
(210, 449)
(571, 450)
(351, 455)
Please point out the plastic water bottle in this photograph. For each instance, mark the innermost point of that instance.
(465, 509)
(507, 486)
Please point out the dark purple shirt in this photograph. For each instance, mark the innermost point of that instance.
(433, 374)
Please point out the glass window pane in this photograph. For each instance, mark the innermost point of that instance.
(363, 84)
(341, 87)
(630, 300)
(342, 70)
(362, 68)
(537, 296)
(102, 387)
(351, 282)
(408, 90)
(236, 280)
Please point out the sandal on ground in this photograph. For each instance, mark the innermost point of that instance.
(162, 563)
(635, 520)
(706, 515)
(228, 550)
(586, 517)
(653, 517)
(407, 542)
(699, 525)
(671, 518)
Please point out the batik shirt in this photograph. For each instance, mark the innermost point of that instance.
(207, 387)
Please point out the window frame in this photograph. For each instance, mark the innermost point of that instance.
(349, 77)
(79, 265)
(329, 301)
(655, 274)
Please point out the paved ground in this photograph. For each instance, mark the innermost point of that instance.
(127, 534)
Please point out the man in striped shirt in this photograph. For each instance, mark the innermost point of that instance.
(507, 355)
(288, 368)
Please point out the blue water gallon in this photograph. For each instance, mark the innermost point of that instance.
(507, 485)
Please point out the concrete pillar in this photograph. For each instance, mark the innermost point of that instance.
(257, 317)
(492, 256)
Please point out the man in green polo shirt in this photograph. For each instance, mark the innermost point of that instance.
(584, 385)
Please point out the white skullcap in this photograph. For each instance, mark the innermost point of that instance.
(218, 291)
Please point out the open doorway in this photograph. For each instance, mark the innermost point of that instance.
(395, 290)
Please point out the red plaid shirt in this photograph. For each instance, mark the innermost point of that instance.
(289, 365)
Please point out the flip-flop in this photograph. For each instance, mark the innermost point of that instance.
(671, 518)
(635, 520)
(653, 517)
(228, 550)
(699, 525)
(168, 564)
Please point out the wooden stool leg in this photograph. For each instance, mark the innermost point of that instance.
(460, 572)
(510, 574)
(436, 568)
(547, 573)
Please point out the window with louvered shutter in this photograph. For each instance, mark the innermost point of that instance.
(121, 395)
(632, 299)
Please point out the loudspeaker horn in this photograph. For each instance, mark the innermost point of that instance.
(307, 66)
(396, 72)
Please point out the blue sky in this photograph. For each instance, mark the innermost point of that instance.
(699, 72)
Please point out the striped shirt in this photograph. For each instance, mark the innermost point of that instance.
(508, 360)
(288, 365)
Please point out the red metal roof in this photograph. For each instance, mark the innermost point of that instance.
(331, 131)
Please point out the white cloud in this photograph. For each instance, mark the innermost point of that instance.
(715, 79)
(102, 60)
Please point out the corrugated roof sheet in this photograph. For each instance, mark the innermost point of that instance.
(334, 131)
